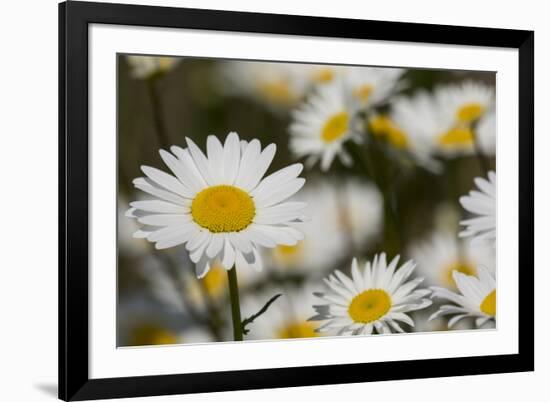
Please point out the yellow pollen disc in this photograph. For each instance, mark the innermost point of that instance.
(335, 127)
(457, 136)
(324, 75)
(363, 93)
(215, 281)
(297, 329)
(151, 335)
(369, 306)
(223, 209)
(489, 304)
(384, 127)
(463, 267)
(277, 91)
(469, 112)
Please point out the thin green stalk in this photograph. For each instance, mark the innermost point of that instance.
(483, 163)
(392, 237)
(160, 127)
(235, 306)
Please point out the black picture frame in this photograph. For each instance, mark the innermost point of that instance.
(74, 19)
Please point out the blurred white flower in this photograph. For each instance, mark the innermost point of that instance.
(286, 318)
(461, 106)
(477, 298)
(483, 204)
(410, 126)
(361, 210)
(441, 123)
(128, 246)
(320, 74)
(141, 322)
(443, 253)
(147, 66)
(272, 83)
(322, 125)
(371, 86)
(317, 252)
(350, 210)
(486, 133)
(218, 205)
(375, 299)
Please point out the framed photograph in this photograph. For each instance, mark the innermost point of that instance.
(257, 201)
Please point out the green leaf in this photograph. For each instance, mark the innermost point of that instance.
(251, 319)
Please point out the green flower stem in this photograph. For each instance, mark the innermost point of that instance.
(392, 238)
(235, 306)
(160, 127)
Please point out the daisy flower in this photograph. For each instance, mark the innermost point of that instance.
(442, 254)
(317, 252)
(276, 84)
(360, 211)
(371, 86)
(287, 317)
(461, 106)
(321, 74)
(322, 125)
(352, 211)
(410, 126)
(477, 298)
(128, 247)
(482, 203)
(218, 205)
(375, 299)
(486, 133)
(146, 66)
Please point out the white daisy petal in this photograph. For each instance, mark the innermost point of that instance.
(217, 205)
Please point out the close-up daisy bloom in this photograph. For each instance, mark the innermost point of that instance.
(371, 86)
(322, 125)
(476, 298)
(443, 253)
(147, 66)
(217, 204)
(377, 298)
(482, 203)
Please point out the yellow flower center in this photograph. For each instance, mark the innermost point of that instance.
(335, 127)
(151, 335)
(277, 91)
(470, 112)
(458, 136)
(463, 267)
(363, 92)
(223, 209)
(324, 75)
(297, 329)
(215, 281)
(384, 127)
(288, 254)
(369, 306)
(489, 304)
